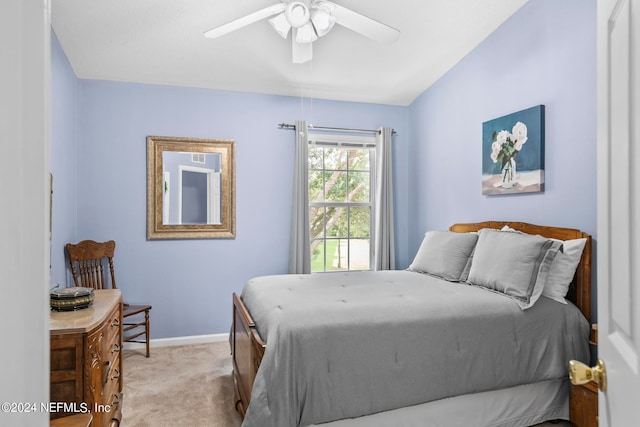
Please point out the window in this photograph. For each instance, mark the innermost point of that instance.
(341, 190)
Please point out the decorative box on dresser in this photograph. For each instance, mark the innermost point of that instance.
(86, 366)
(583, 398)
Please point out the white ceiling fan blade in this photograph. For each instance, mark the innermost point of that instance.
(362, 24)
(302, 52)
(245, 20)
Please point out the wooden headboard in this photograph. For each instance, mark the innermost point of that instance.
(580, 289)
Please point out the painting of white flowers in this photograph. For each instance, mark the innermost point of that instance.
(513, 153)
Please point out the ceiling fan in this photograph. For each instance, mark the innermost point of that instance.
(309, 20)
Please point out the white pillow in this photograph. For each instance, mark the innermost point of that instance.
(563, 269)
(445, 254)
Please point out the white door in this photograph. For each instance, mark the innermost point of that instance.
(619, 209)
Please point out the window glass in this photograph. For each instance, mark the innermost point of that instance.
(340, 207)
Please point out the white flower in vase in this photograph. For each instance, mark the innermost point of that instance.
(505, 148)
(519, 135)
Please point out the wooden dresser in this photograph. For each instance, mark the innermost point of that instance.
(86, 365)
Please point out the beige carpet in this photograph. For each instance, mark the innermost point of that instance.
(179, 386)
(184, 386)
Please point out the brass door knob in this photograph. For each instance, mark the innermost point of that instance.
(579, 373)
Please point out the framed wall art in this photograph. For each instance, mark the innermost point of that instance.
(513, 153)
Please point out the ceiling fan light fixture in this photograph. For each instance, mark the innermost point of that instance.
(310, 19)
(281, 25)
(306, 34)
(322, 20)
(297, 14)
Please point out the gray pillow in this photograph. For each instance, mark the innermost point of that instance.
(562, 269)
(445, 254)
(513, 264)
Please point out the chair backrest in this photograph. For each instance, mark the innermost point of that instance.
(87, 261)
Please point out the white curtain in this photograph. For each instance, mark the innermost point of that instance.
(300, 245)
(384, 241)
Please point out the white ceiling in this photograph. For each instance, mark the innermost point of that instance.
(161, 42)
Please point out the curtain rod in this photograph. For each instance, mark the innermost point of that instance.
(290, 126)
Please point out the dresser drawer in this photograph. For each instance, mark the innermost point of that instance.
(112, 382)
(111, 378)
(112, 346)
(113, 326)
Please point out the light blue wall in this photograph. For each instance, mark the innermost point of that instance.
(190, 282)
(545, 54)
(63, 159)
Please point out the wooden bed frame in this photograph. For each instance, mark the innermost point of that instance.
(247, 347)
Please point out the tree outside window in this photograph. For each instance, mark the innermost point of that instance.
(340, 207)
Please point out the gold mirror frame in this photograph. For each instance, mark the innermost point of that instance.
(156, 229)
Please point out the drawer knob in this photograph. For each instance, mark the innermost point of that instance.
(116, 375)
(116, 399)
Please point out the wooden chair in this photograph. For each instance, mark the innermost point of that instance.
(87, 260)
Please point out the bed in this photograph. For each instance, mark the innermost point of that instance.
(479, 357)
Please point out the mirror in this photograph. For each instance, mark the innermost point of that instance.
(190, 188)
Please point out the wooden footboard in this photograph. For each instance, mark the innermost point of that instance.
(247, 349)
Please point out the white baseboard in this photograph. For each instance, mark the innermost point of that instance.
(176, 341)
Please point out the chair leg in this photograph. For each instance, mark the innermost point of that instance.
(146, 319)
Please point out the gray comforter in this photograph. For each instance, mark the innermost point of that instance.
(344, 345)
